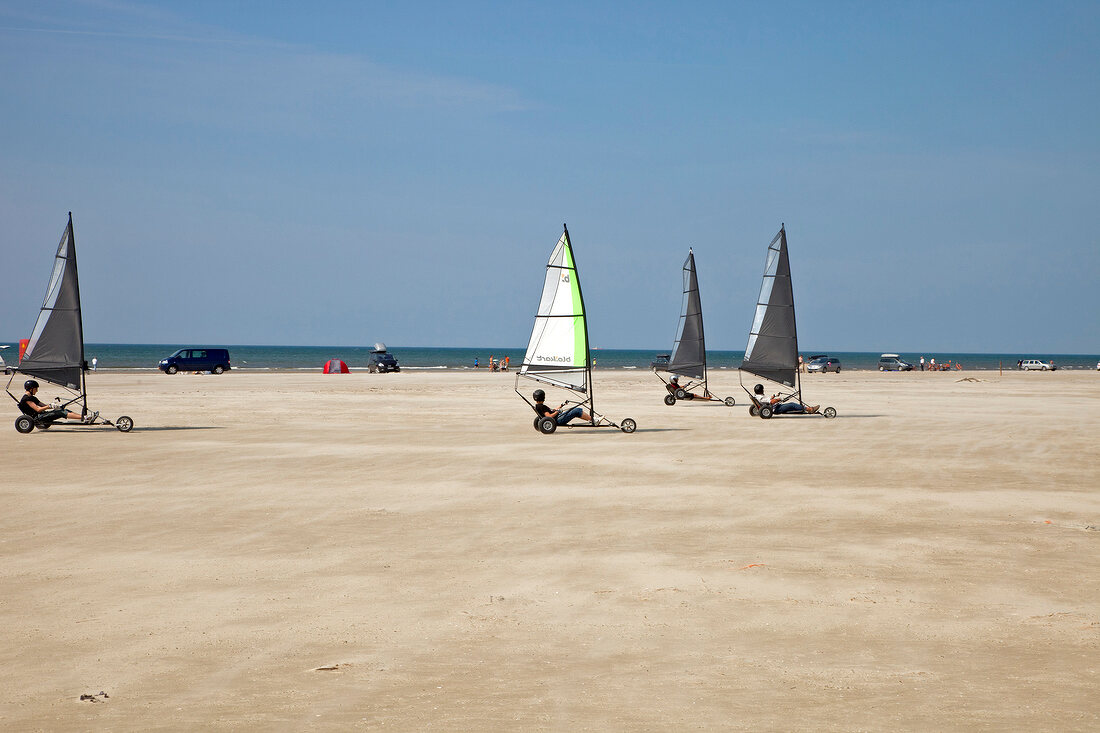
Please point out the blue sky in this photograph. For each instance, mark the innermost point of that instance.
(260, 172)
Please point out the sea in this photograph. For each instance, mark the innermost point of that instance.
(312, 358)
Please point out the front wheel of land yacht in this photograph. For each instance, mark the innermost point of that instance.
(24, 424)
(753, 410)
(670, 399)
(829, 412)
(125, 424)
(628, 425)
(766, 412)
(681, 393)
(547, 425)
(730, 402)
(537, 423)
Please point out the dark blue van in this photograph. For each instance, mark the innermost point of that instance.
(214, 361)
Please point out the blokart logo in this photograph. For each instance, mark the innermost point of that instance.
(552, 358)
(565, 277)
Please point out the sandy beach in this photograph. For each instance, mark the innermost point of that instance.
(286, 551)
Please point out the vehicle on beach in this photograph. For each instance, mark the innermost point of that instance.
(893, 363)
(55, 353)
(214, 361)
(1035, 365)
(381, 361)
(559, 354)
(660, 362)
(824, 364)
(688, 360)
(772, 351)
(7, 369)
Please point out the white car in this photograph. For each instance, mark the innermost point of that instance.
(1035, 365)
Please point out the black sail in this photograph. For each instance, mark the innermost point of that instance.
(55, 351)
(689, 356)
(772, 351)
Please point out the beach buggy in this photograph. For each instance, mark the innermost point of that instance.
(558, 354)
(688, 360)
(772, 351)
(55, 351)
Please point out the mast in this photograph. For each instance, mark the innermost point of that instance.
(702, 335)
(584, 319)
(79, 317)
(798, 369)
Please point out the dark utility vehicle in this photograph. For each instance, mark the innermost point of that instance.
(214, 361)
(381, 360)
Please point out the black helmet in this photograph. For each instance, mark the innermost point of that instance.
(539, 395)
(758, 389)
(30, 384)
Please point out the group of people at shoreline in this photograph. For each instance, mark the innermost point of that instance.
(495, 365)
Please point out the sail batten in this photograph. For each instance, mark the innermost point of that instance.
(558, 351)
(772, 349)
(55, 350)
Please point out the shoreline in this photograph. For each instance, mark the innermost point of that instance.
(610, 370)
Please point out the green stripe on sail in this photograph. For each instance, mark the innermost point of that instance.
(580, 347)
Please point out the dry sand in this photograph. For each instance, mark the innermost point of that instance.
(296, 551)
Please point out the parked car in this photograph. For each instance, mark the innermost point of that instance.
(1031, 365)
(824, 364)
(381, 360)
(660, 362)
(893, 363)
(214, 361)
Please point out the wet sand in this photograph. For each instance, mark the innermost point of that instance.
(404, 552)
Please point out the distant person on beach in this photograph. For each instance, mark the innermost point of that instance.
(476, 365)
(932, 365)
(922, 363)
(560, 417)
(94, 362)
(506, 360)
(30, 405)
(779, 407)
(801, 366)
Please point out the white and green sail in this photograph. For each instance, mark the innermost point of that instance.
(558, 351)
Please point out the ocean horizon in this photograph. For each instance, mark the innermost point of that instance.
(311, 358)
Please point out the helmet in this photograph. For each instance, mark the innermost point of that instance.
(539, 395)
(30, 384)
(758, 389)
(675, 379)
